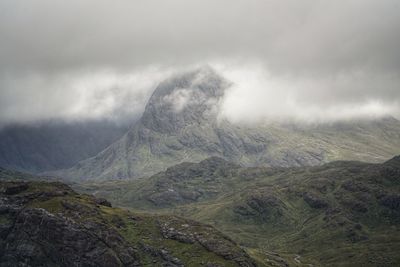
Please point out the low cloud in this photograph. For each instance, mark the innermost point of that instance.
(82, 95)
(257, 95)
(179, 99)
(295, 60)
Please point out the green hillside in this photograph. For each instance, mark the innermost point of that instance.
(338, 214)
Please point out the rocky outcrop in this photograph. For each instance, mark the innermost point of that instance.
(171, 186)
(224, 247)
(263, 205)
(391, 201)
(48, 224)
(37, 237)
(314, 201)
(15, 188)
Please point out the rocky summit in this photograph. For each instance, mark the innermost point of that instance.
(48, 224)
(182, 122)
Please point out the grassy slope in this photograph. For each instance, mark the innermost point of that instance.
(144, 152)
(342, 213)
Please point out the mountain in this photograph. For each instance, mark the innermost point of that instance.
(343, 213)
(48, 224)
(54, 145)
(182, 122)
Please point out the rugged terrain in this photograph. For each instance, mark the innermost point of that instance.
(338, 214)
(182, 122)
(48, 224)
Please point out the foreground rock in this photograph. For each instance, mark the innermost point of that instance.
(48, 224)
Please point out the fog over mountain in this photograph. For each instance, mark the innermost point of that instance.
(307, 61)
(251, 133)
(184, 121)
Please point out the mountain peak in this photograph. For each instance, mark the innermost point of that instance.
(395, 162)
(184, 98)
(205, 81)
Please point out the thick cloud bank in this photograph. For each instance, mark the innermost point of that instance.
(257, 95)
(303, 60)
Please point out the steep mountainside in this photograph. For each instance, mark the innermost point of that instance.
(48, 224)
(54, 145)
(181, 123)
(338, 214)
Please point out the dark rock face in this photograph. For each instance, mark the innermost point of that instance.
(103, 202)
(171, 196)
(15, 189)
(164, 254)
(314, 202)
(41, 238)
(391, 201)
(170, 185)
(36, 237)
(353, 186)
(354, 234)
(359, 206)
(263, 206)
(171, 232)
(209, 168)
(225, 248)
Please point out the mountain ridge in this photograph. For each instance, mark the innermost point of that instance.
(181, 122)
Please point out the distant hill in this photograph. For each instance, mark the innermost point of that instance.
(54, 145)
(343, 213)
(181, 122)
(11, 175)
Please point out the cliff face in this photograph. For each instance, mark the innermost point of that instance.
(181, 122)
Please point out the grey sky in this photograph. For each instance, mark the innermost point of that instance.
(91, 58)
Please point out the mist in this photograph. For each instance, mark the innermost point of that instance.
(305, 61)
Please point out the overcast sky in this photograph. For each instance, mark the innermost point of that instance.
(307, 60)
